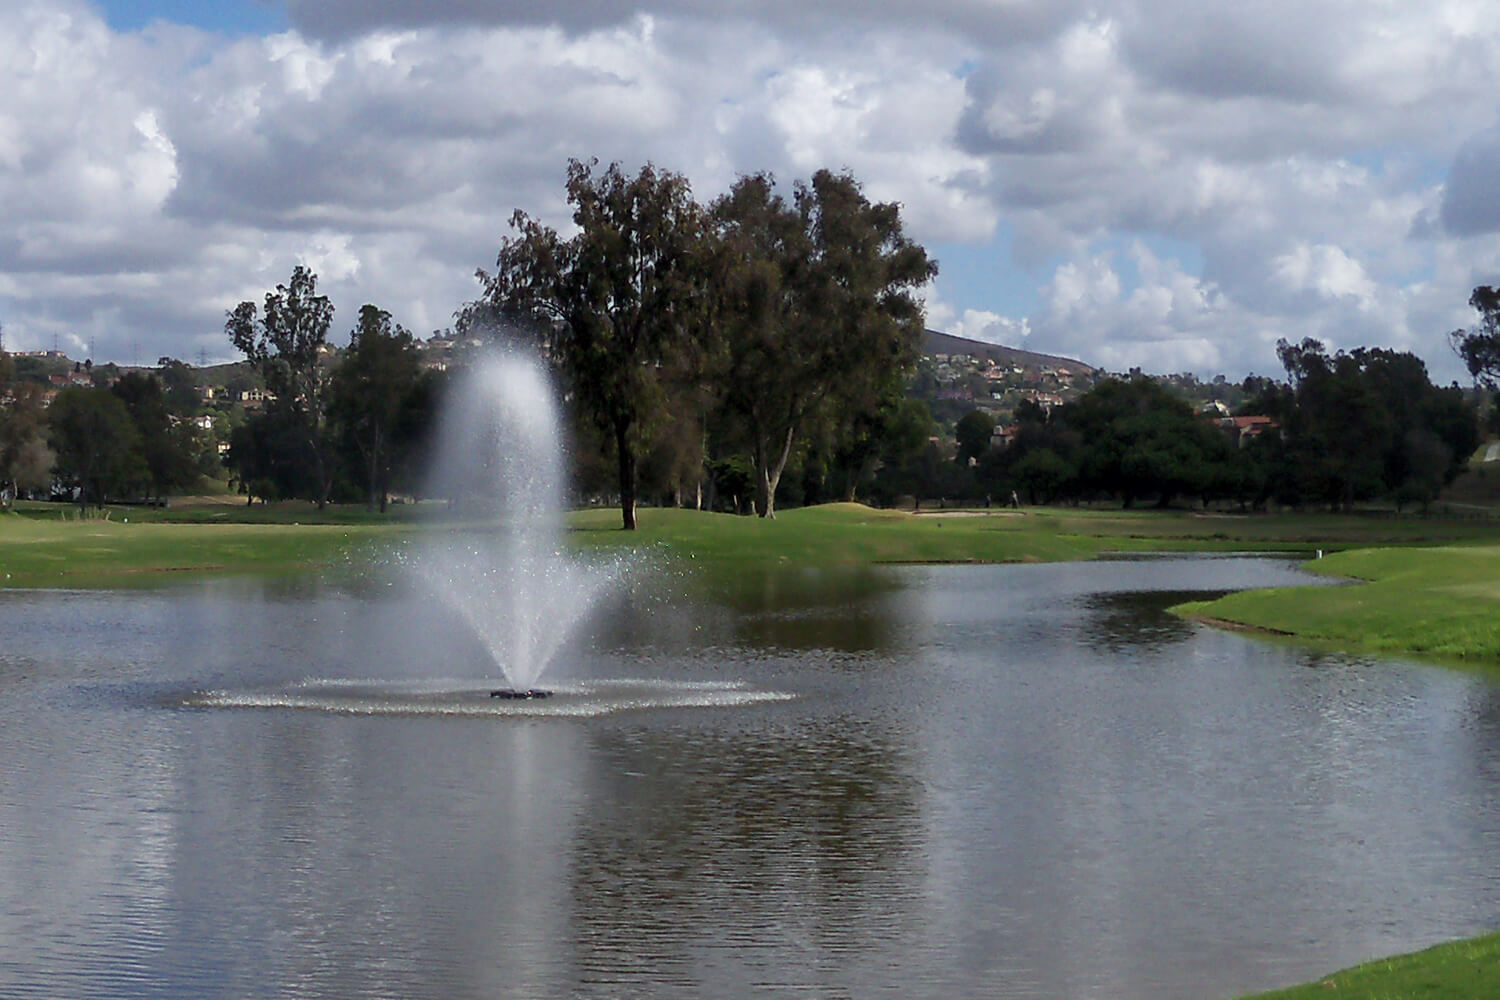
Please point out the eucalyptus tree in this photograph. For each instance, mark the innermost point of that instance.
(613, 305)
(1480, 346)
(286, 341)
(96, 444)
(371, 391)
(25, 459)
(819, 310)
(170, 449)
(1368, 422)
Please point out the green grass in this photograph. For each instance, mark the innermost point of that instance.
(83, 553)
(1438, 602)
(49, 544)
(836, 535)
(1460, 970)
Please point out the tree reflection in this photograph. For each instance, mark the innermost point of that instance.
(724, 854)
(1137, 621)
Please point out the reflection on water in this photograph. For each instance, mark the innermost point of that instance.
(1116, 623)
(810, 843)
(914, 782)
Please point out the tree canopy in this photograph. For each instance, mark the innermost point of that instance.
(372, 392)
(285, 342)
(611, 304)
(1480, 346)
(96, 444)
(818, 310)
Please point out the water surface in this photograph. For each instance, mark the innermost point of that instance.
(920, 782)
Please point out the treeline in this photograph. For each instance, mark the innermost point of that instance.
(130, 436)
(718, 345)
(1344, 428)
(702, 350)
(734, 355)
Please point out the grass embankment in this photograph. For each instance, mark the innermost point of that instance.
(97, 552)
(49, 545)
(1438, 602)
(1459, 970)
(839, 535)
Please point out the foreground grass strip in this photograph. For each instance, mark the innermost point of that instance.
(846, 533)
(838, 535)
(1460, 970)
(1439, 602)
(56, 553)
(49, 545)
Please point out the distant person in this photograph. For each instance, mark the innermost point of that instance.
(1015, 501)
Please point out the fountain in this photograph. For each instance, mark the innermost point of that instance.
(508, 577)
(499, 564)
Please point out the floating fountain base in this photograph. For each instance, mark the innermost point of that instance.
(529, 694)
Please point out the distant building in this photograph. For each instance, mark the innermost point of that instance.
(204, 421)
(254, 398)
(1241, 430)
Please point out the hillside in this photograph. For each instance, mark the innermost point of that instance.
(944, 343)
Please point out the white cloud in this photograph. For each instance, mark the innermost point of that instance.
(1293, 156)
(1327, 271)
(975, 324)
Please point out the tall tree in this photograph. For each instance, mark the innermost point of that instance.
(1142, 440)
(973, 432)
(370, 391)
(820, 310)
(285, 342)
(170, 450)
(1480, 346)
(25, 459)
(1369, 422)
(96, 443)
(179, 387)
(614, 303)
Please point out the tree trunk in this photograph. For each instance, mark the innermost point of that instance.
(768, 475)
(372, 493)
(375, 496)
(320, 469)
(627, 474)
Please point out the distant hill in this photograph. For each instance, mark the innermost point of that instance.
(945, 343)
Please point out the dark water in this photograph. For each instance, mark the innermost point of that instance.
(928, 782)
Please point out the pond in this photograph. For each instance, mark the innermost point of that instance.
(999, 781)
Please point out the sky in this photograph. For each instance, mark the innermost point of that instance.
(1165, 184)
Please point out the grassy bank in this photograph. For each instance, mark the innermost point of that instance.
(1439, 602)
(96, 552)
(49, 545)
(1460, 970)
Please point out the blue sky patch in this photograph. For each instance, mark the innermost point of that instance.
(225, 17)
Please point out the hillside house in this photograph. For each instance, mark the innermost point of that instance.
(1242, 430)
(255, 397)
